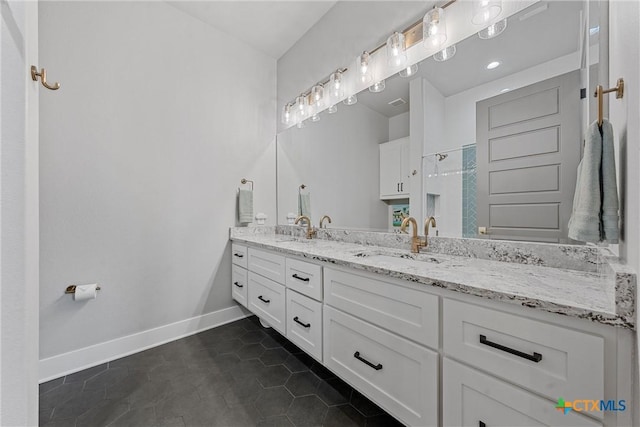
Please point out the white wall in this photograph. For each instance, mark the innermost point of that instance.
(18, 215)
(399, 126)
(338, 160)
(624, 61)
(142, 151)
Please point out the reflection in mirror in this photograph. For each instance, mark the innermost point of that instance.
(499, 144)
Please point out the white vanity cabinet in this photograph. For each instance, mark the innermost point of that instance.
(239, 274)
(394, 169)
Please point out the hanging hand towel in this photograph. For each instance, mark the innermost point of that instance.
(245, 206)
(304, 204)
(595, 204)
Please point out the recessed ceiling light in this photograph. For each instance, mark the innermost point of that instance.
(493, 65)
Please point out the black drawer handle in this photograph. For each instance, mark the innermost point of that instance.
(266, 301)
(536, 357)
(304, 279)
(239, 255)
(365, 361)
(306, 325)
(238, 285)
(481, 424)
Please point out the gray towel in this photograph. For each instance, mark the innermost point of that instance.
(304, 204)
(595, 204)
(245, 206)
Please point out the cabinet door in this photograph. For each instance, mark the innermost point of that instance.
(390, 161)
(405, 167)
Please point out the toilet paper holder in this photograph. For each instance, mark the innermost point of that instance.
(71, 289)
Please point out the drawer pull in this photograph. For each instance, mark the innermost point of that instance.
(304, 279)
(306, 325)
(365, 361)
(481, 424)
(535, 357)
(238, 285)
(266, 301)
(239, 255)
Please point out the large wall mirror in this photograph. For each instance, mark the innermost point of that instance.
(500, 136)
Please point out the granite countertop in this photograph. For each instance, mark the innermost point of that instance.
(595, 296)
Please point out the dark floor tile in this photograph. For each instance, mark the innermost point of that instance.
(78, 404)
(279, 421)
(136, 417)
(321, 371)
(44, 415)
(215, 384)
(273, 401)
(204, 414)
(247, 369)
(334, 391)
(59, 395)
(252, 337)
(171, 422)
(107, 378)
(103, 413)
(307, 411)
(364, 405)
(202, 360)
(243, 415)
(383, 420)
(50, 385)
(272, 376)
(298, 362)
(227, 346)
(344, 416)
(250, 323)
(274, 356)
(269, 342)
(66, 422)
(127, 385)
(302, 383)
(250, 351)
(242, 392)
(150, 394)
(84, 375)
(168, 371)
(176, 405)
(224, 362)
(144, 361)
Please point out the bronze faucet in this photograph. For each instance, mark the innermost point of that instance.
(327, 217)
(429, 221)
(310, 231)
(416, 243)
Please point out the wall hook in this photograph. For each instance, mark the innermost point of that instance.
(43, 78)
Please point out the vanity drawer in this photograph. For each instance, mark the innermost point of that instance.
(305, 278)
(239, 284)
(548, 359)
(239, 255)
(407, 312)
(267, 301)
(397, 374)
(473, 399)
(304, 323)
(267, 264)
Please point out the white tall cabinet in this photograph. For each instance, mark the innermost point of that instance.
(394, 169)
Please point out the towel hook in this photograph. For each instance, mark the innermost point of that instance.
(600, 91)
(245, 180)
(43, 78)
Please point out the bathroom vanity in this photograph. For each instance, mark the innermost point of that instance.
(446, 337)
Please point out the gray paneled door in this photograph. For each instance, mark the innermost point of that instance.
(528, 149)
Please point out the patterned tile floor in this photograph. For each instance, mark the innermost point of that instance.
(239, 374)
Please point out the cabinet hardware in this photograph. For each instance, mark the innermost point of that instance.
(306, 325)
(266, 301)
(481, 424)
(397, 187)
(366, 362)
(238, 285)
(304, 279)
(402, 186)
(535, 357)
(239, 255)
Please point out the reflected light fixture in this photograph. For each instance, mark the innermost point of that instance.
(377, 86)
(300, 124)
(317, 95)
(315, 117)
(396, 51)
(350, 100)
(336, 86)
(302, 108)
(493, 30)
(434, 28)
(333, 109)
(409, 71)
(492, 65)
(287, 114)
(364, 67)
(484, 11)
(445, 54)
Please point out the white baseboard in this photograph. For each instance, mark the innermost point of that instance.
(77, 360)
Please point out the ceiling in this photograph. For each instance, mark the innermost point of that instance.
(549, 33)
(271, 27)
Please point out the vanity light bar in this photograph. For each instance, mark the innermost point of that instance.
(412, 34)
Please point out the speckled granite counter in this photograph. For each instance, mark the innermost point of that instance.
(594, 287)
